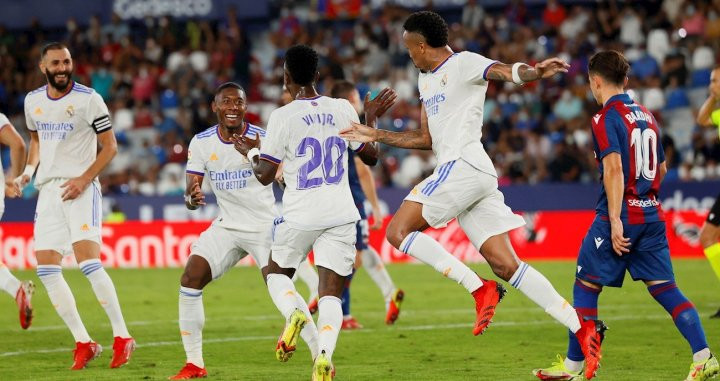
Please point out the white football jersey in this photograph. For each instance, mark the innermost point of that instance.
(453, 95)
(67, 129)
(245, 204)
(303, 135)
(3, 122)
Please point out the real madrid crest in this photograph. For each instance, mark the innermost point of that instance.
(443, 81)
(70, 111)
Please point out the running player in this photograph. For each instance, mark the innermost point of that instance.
(22, 291)
(67, 121)
(362, 184)
(318, 210)
(464, 185)
(709, 115)
(628, 233)
(242, 226)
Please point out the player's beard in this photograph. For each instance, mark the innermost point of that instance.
(51, 79)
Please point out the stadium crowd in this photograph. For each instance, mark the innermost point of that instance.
(157, 75)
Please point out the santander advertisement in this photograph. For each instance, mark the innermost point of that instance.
(547, 235)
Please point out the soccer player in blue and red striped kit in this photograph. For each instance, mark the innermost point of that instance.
(628, 232)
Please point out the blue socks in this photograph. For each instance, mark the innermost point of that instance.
(585, 301)
(345, 298)
(683, 313)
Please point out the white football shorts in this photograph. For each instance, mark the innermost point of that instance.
(222, 248)
(334, 248)
(59, 224)
(457, 189)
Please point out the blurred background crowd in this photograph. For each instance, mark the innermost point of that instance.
(157, 77)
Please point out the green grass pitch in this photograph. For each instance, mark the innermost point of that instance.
(432, 340)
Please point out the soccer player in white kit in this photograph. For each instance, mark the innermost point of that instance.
(22, 291)
(243, 226)
(318, 209)
(464, 185)
(67, 121)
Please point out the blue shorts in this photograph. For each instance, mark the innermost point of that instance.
(648, 259)
(363, 229)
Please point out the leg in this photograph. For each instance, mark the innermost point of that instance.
(585, 302)
(8, 282)
(710, 241)
(404, 233)
(330, 314)
(196, 276)
(306, 273)
(348, 321)
(21, 291)
(373, 264)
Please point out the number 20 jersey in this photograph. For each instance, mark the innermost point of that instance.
(629, 129)
(303, 135)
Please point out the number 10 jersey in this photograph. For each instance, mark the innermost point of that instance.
(629, 129)
(304, 136)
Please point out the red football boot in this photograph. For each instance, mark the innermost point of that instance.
(350, 323)
(84, 353)
(313, 306)
(189, 371)
(487, 298)
(590, 336)
(122, 349)
(22, 298)
(394, 307)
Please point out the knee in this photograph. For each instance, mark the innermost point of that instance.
(396, 233)
(192, 281)
(504, 269)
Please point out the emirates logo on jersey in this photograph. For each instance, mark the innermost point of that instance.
(70, 111)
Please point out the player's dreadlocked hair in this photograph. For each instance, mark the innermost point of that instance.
(301, 62)
(430, 25)
(611, 65)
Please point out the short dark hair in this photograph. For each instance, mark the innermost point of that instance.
(52, 46)
(430, 25)
(611, 65)
(228, 85)
(301, 62)
(341, 89)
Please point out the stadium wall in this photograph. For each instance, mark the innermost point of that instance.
(160, 230)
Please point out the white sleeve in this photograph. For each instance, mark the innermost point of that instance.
(474, 67)
(353, 117)
(28, 118)
(3, 120)
(272, 148)
(98, 116)
(195, 163)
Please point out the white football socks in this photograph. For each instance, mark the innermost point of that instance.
(8, 282)
(330, 319)
(287, 300)
(62, 299)
(192, 321)
(375, 268)
(307, 274)
(536, 287)
(574, 366)
(105, 292)
(429, 251)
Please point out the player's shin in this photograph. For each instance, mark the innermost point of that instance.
(684, 315)
(105, 292)
(309, 276)
(8, 282)
(536, 287)
(329, 321)
(375, 268)
(585, 301)
(429, 251)
(63, 300)
(192, 321)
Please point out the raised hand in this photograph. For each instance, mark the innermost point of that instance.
(243, 144)
(381, 103)
(359, 133)
(550, 67)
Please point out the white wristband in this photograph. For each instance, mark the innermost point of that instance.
(515, 75)
(29, 171)
(253, 153)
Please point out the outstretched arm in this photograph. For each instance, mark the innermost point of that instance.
(418, 139)
(526, 73)
(264, 169)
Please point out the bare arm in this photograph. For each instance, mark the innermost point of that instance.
(418, 139)
(545, 69)
(33, 159)
(108, 149)
(663, 171)
(614, 188)
(703, 117)
(193, 194)
(10, 137)
(367, 182)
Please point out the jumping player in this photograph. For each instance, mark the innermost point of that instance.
(67, 121)
(628, 233)
(464, 185)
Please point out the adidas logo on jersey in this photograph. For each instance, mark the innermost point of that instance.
(598, 242)
(85, 227)
(38, 111)
(213, 157)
